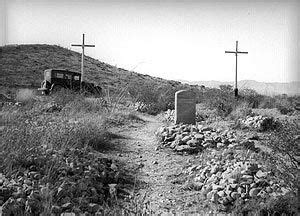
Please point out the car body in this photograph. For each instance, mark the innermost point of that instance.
(56, 79)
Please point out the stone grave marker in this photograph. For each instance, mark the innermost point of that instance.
(185, 107)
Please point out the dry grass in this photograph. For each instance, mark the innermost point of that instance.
(206, 113)
(241, 111)
(24, 95)
(267, 112)
(29, 131)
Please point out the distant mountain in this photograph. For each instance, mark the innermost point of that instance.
(292, 88)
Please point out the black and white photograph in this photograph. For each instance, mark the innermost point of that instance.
(149, 107)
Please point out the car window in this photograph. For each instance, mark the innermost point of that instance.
(68, 76)
(47, 75)
(59, 75)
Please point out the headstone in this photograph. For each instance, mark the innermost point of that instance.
(185, 107)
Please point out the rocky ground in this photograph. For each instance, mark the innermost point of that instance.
(80, 181)
(199, 169)
(228, 169)
(177, 169)
(41, 178)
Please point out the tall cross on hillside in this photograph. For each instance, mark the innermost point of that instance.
(236, 52)
(82, 56)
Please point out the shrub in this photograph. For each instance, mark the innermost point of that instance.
(251, 97)
(65, 96)
(220, 99)
(283, 159)
(205, 113)
(241, 111)
(282, 205)
(267, 103)
(156, 98)
(283, 105)
(286, 204)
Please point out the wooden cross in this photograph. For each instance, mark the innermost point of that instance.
(82, 56)
(236, 52)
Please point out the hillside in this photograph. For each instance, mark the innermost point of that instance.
(292, 88)
(68, 154)
(23, 65)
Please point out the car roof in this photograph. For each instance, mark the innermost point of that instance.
(64, 71)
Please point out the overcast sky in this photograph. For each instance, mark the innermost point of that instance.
(169, 39)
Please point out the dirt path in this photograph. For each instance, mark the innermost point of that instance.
(157, 166)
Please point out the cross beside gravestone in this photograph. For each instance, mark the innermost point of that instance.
(185, 107)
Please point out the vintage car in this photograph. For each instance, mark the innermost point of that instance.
(56, 79)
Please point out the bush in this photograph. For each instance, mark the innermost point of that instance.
(221, 99)
(205, 113)
(65, 96)
(283, 158)
(283, 105)
(251, 97)
(282, 205)
(155, 98)
(241, 111)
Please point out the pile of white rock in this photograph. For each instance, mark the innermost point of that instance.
(169, 116)
(192, 139)
(261, 123)
(229, 176)
(228, 171)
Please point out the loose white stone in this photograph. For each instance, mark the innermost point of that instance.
(261, 174)
(253, 192)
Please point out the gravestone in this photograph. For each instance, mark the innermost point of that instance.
(185, 107)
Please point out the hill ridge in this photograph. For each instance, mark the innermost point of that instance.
(30, 60)
(23, 65)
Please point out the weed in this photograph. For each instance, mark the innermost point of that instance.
(65, 96)
(119, 118)
(155, 98)
(282, 205)
(241, 111)
(32, 137)
(284, 158)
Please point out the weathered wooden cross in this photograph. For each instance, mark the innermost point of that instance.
(82, 56)
(236, 52)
